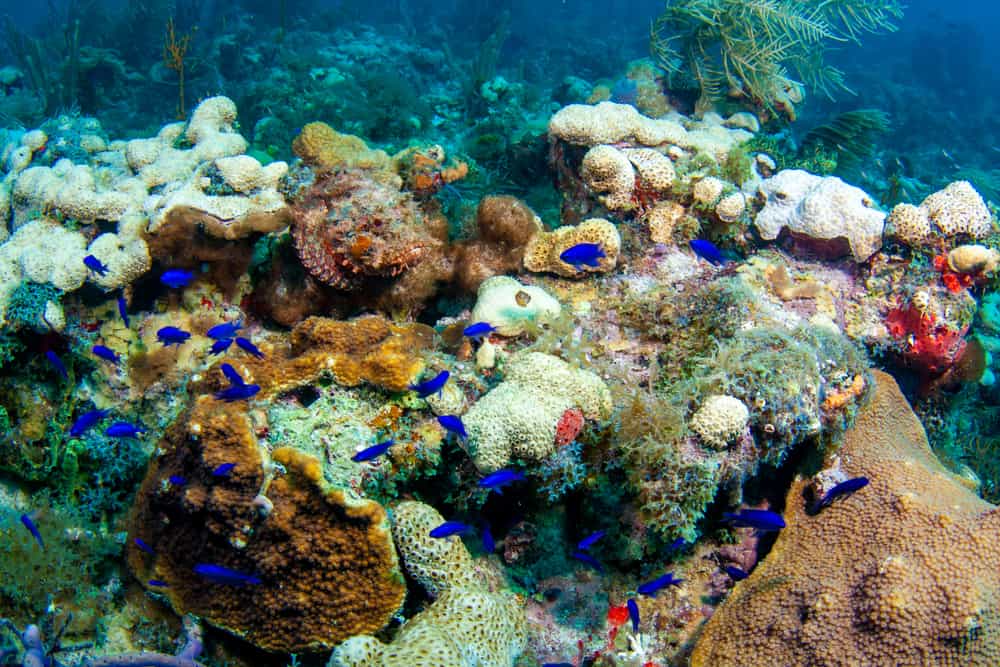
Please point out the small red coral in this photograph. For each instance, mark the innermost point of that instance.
(569, 426)
(927, 345)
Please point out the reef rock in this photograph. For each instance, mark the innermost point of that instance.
(904, 572)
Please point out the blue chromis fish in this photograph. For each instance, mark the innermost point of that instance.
(248, 347)
(232, 375)
(499, 479)
(453, 424)
(176, 278)
(124, 430)
(651, 588)
(735, 573)
(87, 421)
(57, 363)
(373, 452)
(633, 613)
(223, 470)
(583, 254)
(105, 353)
(33, 529)
(142, 544)
(220, 346)
(587, 559)
(95, 265)
(449, 528)
(237, 392)
(478, 330)
(123, 310)
(590, 540)
(841, 490)
(177, 480)
(432, 386)
(172, 336)
(224, 330)
(489, 544)
(759, 519)
(217, 574)
(157, 583)
(707, 251)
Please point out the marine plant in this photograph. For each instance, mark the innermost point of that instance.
(762, 50)
(850, 136)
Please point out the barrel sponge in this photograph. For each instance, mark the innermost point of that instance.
(510, 306)
(656, 170)
(720, 420)
(904, 572)
(126, 259)
(435, 563)
(543, 250)
(958, 209)
(212, 129)
(325, 558)
(820, 208)
(609, 174)
(909, 224)
(519, 416)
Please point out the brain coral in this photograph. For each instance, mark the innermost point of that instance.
(821, 209)
(904, 572)
(544, 249)
(957, 209)
(519, 417)
(325, 559)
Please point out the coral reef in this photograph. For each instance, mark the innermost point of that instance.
(511, 307)
(911, 561)
(544, 249)
(957, 211)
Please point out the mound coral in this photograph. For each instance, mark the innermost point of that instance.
(521, 415)
(323, 562)
(823, 210)
(956, 211)
(720, 420)
(909, 564)
(321, 146)
(510, 306)
(544, 249)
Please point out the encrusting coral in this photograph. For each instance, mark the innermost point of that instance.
(322, 561)
(903, 572)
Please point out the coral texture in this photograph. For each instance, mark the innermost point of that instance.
(325, 561)
(903, 572)
(544, 249)
(720, 420)
(957, 210)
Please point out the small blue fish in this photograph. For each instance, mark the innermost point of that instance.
(95, 265)
(478, 330)
(583, 254)
(453, 424)
(176, 278)
(172, 336)
(433, 386)
(223, 470)
(87, 421)
(177, 480)
(759, 519)
(373, 452)
(449, 528)
(157, 583)
(707, 251)
(489, 544)
(633, 613)
(499, 479)
(249, 347)
(142, 544)
(586, 558)
(123, 430)
(33, 529)
(220, 346)
(558, 664)
(590, 540)
(218, 574)
(651, 588)
(238, 392)
(57, 363)
(224, 330)
(122, 309)
(232, 375)
(105, 353)
(677, 544)
(841, 490)
(735, 573)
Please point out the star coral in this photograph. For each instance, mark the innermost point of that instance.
(325, 559)
(908, 565)
(544, 249)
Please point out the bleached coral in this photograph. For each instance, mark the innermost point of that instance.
(608, 172)
(720, 420)
(509, 306)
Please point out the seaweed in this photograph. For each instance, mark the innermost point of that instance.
(849, 137)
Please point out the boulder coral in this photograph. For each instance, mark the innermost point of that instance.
(956, 211)
(543, 251)
(510, 307)
(322, 560)
(521, 415)
(908, 565)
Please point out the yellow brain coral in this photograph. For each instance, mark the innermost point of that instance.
(543, 250)
(904, 572)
